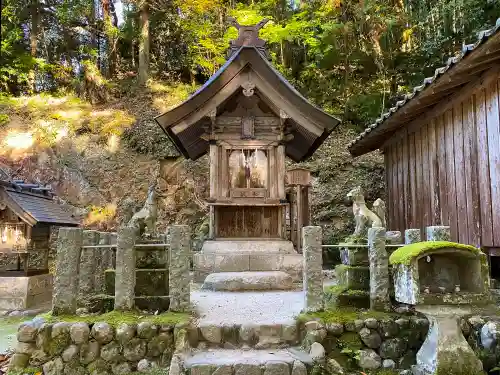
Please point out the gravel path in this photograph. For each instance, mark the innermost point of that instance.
(230, 308)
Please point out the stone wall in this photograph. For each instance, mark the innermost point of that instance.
(483, 335)
(99, 348)
(367, 344)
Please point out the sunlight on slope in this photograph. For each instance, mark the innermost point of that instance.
(19, 141)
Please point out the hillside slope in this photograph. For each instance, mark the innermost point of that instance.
(95, 156)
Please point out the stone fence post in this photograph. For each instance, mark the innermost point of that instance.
(125, 269)
(412, 236)
(312, 237)
(69, 247)
(438, 233)
(179, 276)
(379, 270)
(88, 262)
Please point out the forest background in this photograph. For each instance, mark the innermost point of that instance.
(81, 81)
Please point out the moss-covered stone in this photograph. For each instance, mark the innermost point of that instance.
(405, 254)
(350, 340)
(343, 315)
(354, 277)
(340, 296)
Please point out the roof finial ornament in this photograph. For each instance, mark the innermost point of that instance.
(248, 36)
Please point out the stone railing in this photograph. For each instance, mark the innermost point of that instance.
(85, 257)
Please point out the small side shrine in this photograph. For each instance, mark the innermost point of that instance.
(248, 118)
(27, 213)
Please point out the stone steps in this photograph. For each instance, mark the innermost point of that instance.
(248, 362)
(246, 336)
(244, 281)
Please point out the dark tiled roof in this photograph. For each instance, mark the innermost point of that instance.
(35, 204)
(483, 36)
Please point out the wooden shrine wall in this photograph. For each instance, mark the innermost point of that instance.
(248, 221)
(446, 170)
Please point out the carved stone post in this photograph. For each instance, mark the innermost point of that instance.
(379, 270)
(69, 247)
(412, 236)
(438, 233)
(313, 268)
(179, 277)
(86, 284)
(125, 269)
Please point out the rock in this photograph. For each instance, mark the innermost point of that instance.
(99, 367)
(144, 365)
(60, 338)
(175, 366)
(336, 329)
(201, 369)
(25, 348)
(490, 333)
(74, 368)
(276, 368)
(392, 348)
(369, 359)
(157, 345)
(54, 367)
(317, 352)
(19, 361)
(79, 333)
(225, 370)
(246, 369)
(102, 332)
(359, 325)
(388, 363)
(371, 323)
(89, 352)
(388, 328)
(111, 352)
(402, 323)
(124, 333)
(82, 311)
(371, 339)
(26, 332)
(38, 358)
(121, 368)
(350, 327)
(476, 322)
(212, 333)
(312, 325)
(70, 353)
(313, 336)
(333, 367)
(299, 368)
(146, 330)
(405, 372)
(134, 350)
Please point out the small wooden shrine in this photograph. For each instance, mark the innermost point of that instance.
(248, 118)
(27, 212)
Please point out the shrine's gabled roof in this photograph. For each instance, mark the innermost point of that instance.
(308, 124)
(34, 204)
(466, 67)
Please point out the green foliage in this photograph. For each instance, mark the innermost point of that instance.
(405, 254)
(343, 315)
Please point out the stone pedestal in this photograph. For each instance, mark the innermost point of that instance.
(445, 350)
(438, 233)
(412, 236)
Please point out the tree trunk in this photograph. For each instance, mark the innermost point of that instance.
(35, 22)
(106, 15)
(144, 45)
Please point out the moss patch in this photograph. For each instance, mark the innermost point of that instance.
(115, 318)
(405, 254)
(343, 315)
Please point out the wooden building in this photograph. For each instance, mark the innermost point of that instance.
(441, 146)
(27, 213)
(248, 118)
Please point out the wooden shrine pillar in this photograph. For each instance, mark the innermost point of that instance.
(299, 182)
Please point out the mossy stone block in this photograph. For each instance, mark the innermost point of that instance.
(341, 296)
(354, 256)
(354, 277)
(152, 258)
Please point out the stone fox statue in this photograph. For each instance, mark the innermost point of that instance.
(147, 215)
(363, 216)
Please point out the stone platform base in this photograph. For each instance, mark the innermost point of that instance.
(24, 292)
(250, 246)
(206, 263)
(105, 303)
(242, 281)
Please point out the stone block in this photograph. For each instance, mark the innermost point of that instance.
(438, 233)
(179, 268)
(379, 270)
(231, 262)
(24, 292)
(149, 282)
(313, 264)
(265, 262)
(412, 236)
(125, 270)
(240, 281)
(354, 277)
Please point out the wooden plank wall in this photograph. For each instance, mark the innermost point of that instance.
(447, 171)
